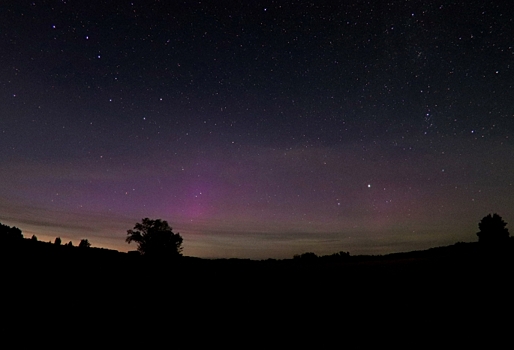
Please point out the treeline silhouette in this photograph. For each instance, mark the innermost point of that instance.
(157, 242)
(460, 261)
(338, 291)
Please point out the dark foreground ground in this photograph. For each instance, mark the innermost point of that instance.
(462, 292)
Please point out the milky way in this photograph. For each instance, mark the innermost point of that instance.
(257, 130)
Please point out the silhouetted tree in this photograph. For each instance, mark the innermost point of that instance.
(57, 241)
(155, 238)
(10, 234)
(34, 238)
(69, 244)
(492, 230)
(84, 243)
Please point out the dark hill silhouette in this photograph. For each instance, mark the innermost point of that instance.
(339, 292)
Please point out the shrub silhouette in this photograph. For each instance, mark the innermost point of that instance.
(492, 230)
(155, 238)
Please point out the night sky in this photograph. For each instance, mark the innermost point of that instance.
(257, 129)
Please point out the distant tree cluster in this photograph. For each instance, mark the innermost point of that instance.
(309, 256)
(306, 257)
(13, 234)
(10, 234)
